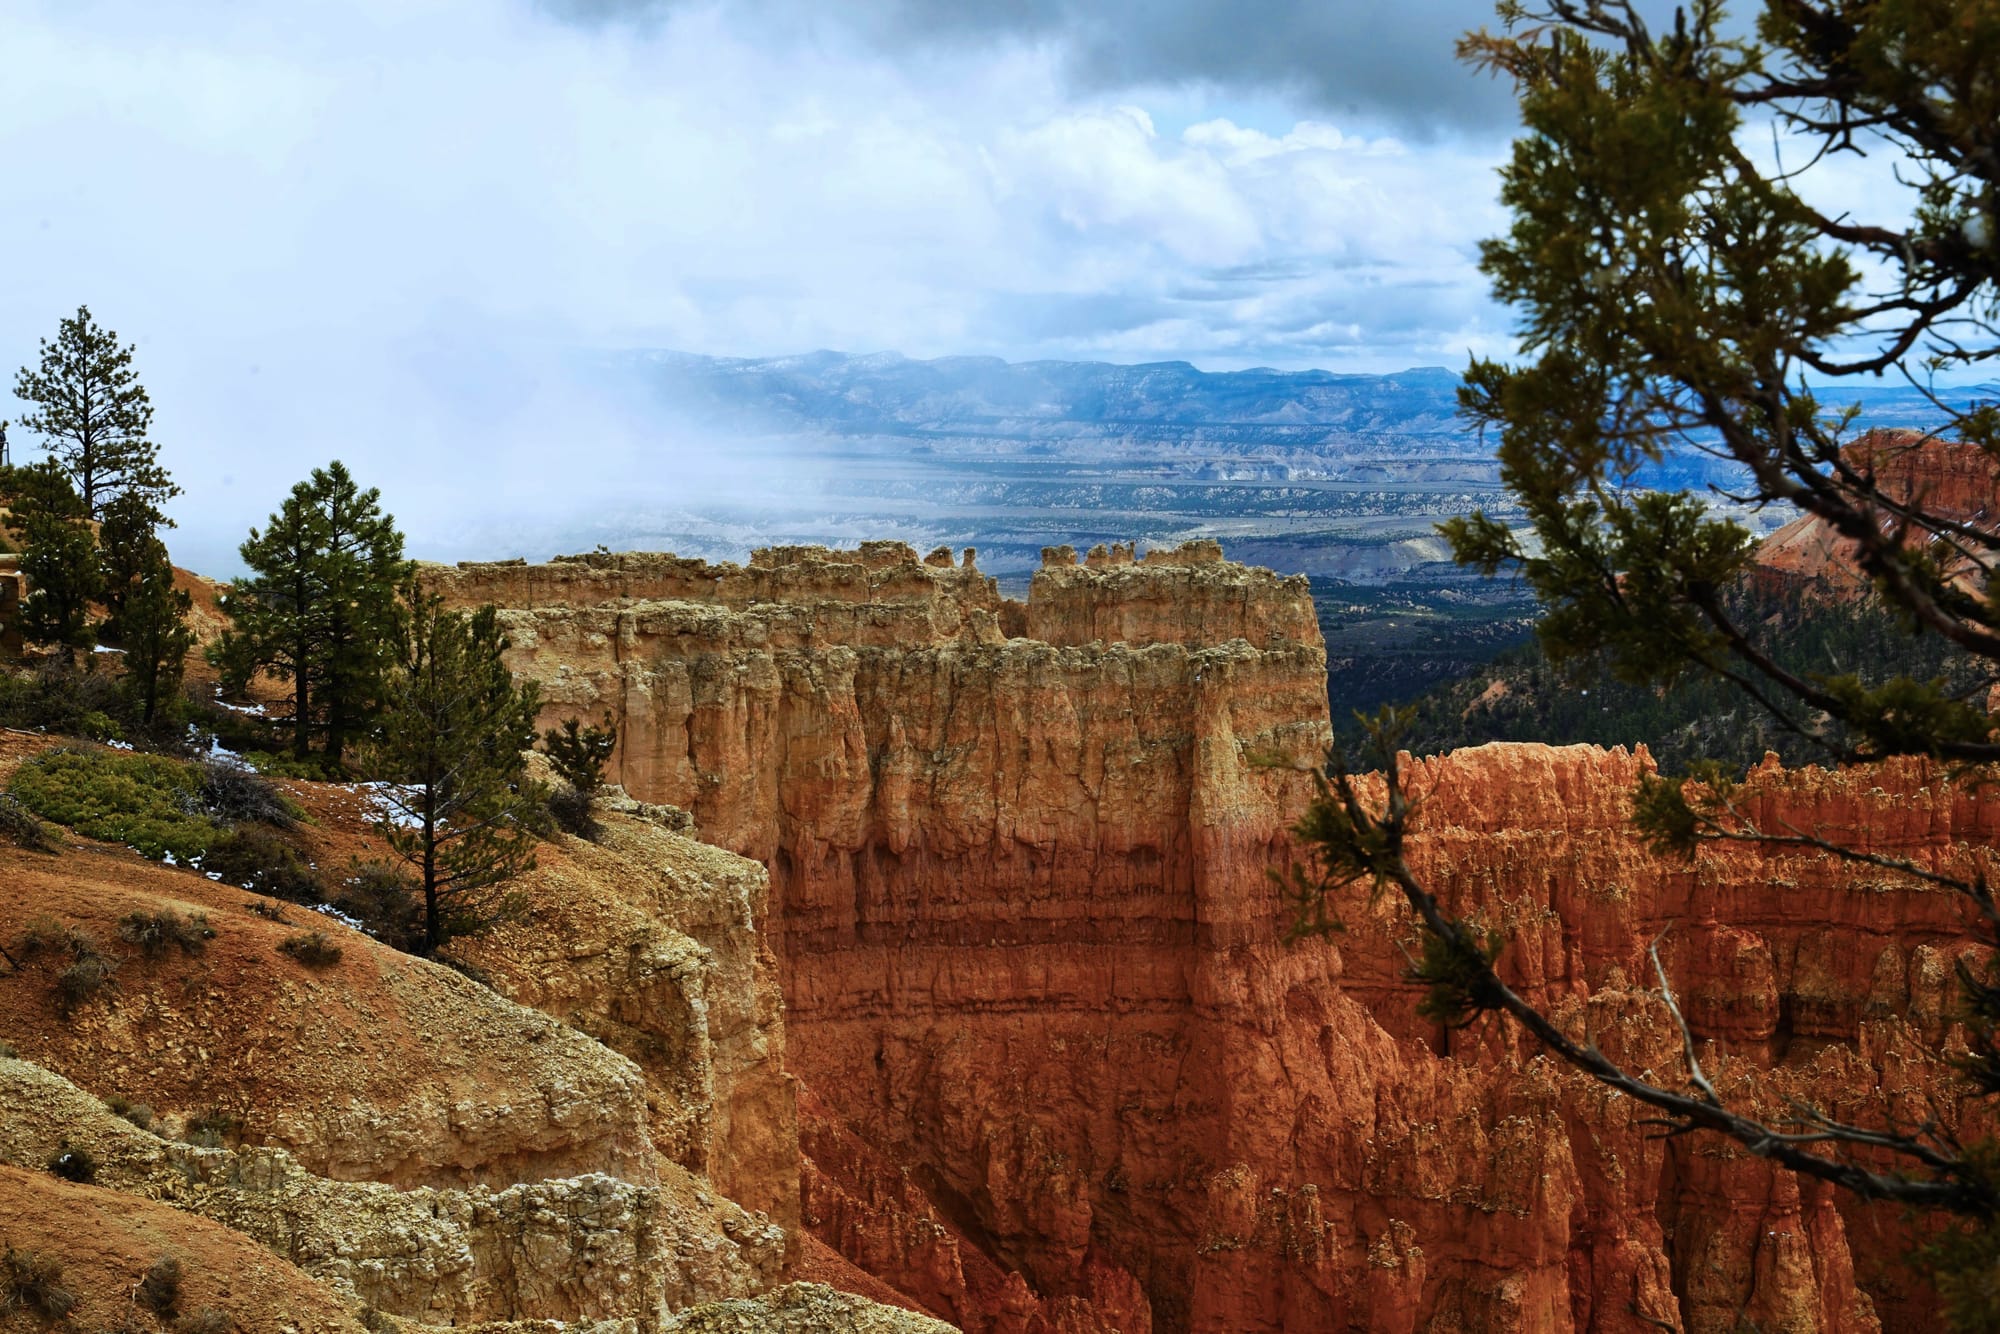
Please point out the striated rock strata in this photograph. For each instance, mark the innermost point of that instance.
(1063, 1072)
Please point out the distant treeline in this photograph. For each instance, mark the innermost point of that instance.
(1522, 695)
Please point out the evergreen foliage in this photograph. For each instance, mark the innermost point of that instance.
(1674, 295)
(320, 609)
(58, 556)
(578, 754)
(94, 415)
(1524, 694)
(127, 545)
(157, 637)
(460, 808)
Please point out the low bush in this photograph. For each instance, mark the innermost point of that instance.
(43, 934)
(149, 802)
(270, 910)
(19, 826)
(211, 1129)
(263, 861)
(61, 699)
(157, 932)
(383, 898)
(570, 808)
(234, 729)
(74, 1164)
(32, 1282)
(160, 1290)
(89, 975)
(138, 1113)
(208, 1320)
(312, 948)
(235, 794)
(279, 764)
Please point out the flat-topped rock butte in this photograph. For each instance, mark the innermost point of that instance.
(1059, 1070)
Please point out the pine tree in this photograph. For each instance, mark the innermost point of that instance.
(156, 637)
(461, 809)
(58, 556)
(1677, 295)
(320, 609)
(126, 542)
(93, 415)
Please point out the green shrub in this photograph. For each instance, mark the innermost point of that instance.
(33, 1283)
(160, 1290)
(233, 729)
(157, 932)
(281, 765)
(61, 699)
(312, 948)
(74, 1164)
(258, 858)
(149, 802)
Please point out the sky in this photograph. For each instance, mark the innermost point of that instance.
(364, 228)
(368, 228)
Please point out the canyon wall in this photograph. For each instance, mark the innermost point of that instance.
(1951, 482)
(1063, 1074)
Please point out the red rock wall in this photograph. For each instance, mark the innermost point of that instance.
(1065, 1075)
(1948, 479)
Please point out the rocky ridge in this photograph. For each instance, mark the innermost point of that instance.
(400, 1141)
(1063, 1074)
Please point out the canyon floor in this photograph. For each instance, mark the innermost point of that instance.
(928, 975)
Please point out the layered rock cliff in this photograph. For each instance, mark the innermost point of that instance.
(1064, 1075)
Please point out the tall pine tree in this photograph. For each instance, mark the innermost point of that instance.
(94, 415)
(463, 812)
(153, 625)
(320, 609)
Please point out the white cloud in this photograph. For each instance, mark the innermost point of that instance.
(362, 228)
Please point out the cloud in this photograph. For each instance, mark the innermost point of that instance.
(368, 229)
(1383, 60)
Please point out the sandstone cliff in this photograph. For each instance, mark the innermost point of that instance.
(1062, 1073)
(1954, 482)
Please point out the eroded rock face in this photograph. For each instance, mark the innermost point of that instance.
(1953, 481)
(1067, 1076)
(648, 941)
(579, 1248)
(416, 1142)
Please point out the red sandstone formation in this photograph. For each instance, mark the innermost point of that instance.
(1951, 481)
(1063, 1075)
